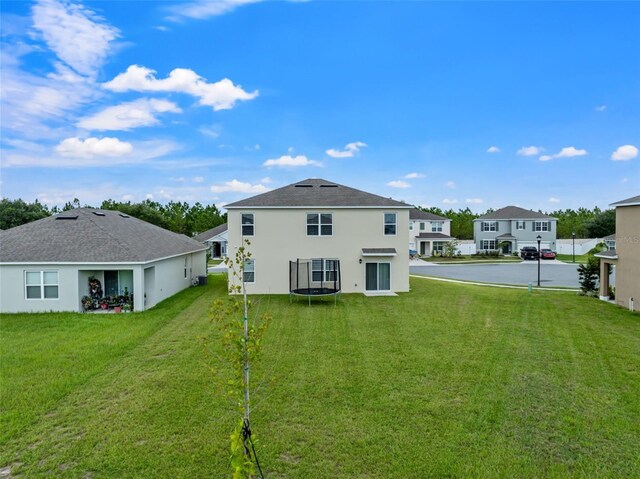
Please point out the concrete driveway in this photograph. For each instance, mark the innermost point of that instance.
(552, 273)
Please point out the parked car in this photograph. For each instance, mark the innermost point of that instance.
(529, 252)
(413, 253)
(547, 254)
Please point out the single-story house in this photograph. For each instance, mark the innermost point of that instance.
(216, 241)
(53, 263)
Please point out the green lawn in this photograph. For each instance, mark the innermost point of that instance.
(568, 258)
(447, 381)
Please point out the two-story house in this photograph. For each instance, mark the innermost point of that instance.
(323, 222)
(511, 228)
(625, 257)
(428, 232)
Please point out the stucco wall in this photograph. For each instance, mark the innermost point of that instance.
(280, 237)
(628, 250)
(170, 278)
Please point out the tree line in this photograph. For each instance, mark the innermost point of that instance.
(585, 223)
(179, 217)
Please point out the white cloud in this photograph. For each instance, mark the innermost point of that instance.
(129, 115)
(198, 179)
(127, 197)
(221, 95)
(412, 176)
(625, 153)
(238, 187)
(266, 180)
(448, 201)
(530, 150)
(286, 161)
(211, 131)
(554, 200)
(202, 9)
(451, 184)
(493, 149)
(601, 108)
(349, 150)
(77, 148)
(474, 201)
(566, 152)
(399, 184)
(78, 36)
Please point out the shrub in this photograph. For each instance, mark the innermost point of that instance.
(589, 275)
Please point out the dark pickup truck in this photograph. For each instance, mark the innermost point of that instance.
(529, 252)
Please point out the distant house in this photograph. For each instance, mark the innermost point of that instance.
(322, 224)
(46, 265)
(625, 257)
(511, 228)
(216, 241)
(428, 232)
(610, 241)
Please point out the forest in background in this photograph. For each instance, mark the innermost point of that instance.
(180, 217)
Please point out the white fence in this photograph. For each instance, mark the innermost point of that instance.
(583, 246)
(466, 247)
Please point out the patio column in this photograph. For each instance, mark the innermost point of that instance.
(604, 280)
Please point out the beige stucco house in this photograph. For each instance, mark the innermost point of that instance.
(47, 265)
(428, 232)
(321, 221)
(625, 257)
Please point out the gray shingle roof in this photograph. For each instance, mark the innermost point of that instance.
(93, 236)
(607, 254)
(416, 214)
(514, 213)
(316, 192)
(207, 235)
(436, 236)
(634, 201)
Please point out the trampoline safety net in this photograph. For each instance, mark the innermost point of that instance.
(314, 277)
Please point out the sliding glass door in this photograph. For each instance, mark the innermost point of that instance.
(378, 277)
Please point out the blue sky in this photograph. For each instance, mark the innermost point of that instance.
(447, 104)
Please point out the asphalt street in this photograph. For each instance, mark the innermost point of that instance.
(552, 273)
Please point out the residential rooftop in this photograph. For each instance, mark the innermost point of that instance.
(86, 235)
(417, 214)
(212, 233)
(634, 201)
(514, 213)
(316, 192)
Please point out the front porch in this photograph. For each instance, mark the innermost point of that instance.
(106, 290)
(431, 243)
(608, 261)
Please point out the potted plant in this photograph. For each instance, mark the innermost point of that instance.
(104, 303)
(87, 303)
(126, 307)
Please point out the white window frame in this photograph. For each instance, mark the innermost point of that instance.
(42, 285)
(542, 226)
(521, 225)
(489, 226)
(436, 226)
(251, 225)
(394, 223)
(249, 267)
(326, 270)
(319, 224)
(484, 244)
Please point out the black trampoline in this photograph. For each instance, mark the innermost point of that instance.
(314, 277)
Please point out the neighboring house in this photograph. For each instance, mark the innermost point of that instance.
(322, 221)
(625, 257)
(216, 241)
(428, 232)
(610, 241)
(511, 228)
(46, 265)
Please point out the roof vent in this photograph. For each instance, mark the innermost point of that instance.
(123, 215)
(99, 213)
(328, 186)
(304, 186)
(68, 217)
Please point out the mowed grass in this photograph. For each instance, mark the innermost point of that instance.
(446, 381)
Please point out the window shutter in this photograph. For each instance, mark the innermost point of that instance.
(533, 226)
(548, 225)
(497, 226)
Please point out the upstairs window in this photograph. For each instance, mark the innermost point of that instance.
(421, 226)
(489, 226)
(541, 226)
(436, 226)
(248, 224)
(390, 224)
(319, 224)
(41, 284)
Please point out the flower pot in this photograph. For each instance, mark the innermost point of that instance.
(104, 306)
(117, 309)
